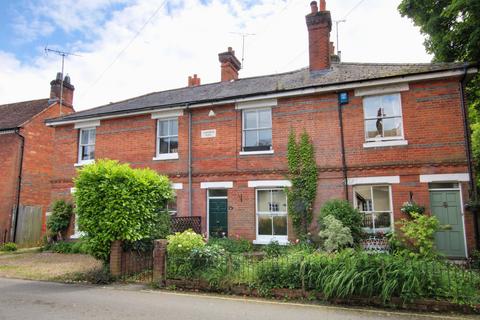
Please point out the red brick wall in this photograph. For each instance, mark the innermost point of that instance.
(432, 125)
(9, 153)
(38, 160)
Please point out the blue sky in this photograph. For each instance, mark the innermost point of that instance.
(127, 48)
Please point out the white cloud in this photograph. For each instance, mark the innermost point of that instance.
(172, 47)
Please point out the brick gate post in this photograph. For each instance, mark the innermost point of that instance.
(160, 261)
(116, 258)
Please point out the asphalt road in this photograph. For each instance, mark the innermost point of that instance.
(20, 299)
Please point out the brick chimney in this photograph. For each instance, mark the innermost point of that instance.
(193, 81)
(319, 24)
(68, 88)
(229, 65)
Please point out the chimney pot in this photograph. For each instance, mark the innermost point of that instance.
(314, 7)
(68, 89)
(193, 81)
(323, 5)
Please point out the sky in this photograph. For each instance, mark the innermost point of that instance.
(126, 48)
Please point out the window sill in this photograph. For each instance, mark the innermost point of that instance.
(267, 240)
(166, 156)
(252, 153)
(83, 163)
(387, 143)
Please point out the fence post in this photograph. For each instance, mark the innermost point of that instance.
(160, 261)
(116, 258)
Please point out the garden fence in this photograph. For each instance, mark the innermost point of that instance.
(180, 224)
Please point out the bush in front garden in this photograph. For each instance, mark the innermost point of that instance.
(342, 210)
(359, 274)
(179, 249)
(59, 220)
(116, 202)
(8, 246)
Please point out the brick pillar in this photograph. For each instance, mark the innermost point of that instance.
(116, 258)
(160, 261)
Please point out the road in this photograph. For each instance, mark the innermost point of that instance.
(21, 299)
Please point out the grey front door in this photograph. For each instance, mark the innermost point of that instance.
(445, 205)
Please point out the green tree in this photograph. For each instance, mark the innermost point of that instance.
(302, 172)
(452, 31)
(116, 202)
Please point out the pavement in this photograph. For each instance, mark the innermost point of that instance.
(23, 299)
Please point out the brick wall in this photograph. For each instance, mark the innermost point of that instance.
(9, 153)
(432, 125)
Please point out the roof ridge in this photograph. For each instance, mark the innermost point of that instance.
(22, 102)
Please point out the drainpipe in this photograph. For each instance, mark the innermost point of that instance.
(19, 186)
(190, 188)
(468, 151)
(342, 143)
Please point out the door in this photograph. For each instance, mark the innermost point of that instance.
(217, 213)
(445, 205)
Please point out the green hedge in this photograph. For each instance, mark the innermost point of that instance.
(116, 202)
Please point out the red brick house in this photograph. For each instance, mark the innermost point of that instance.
(26, 153)
(383, 133)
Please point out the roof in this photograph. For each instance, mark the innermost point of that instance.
(339, 73)
(13, 115)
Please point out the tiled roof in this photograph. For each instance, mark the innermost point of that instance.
(303, 78)
(14, 114)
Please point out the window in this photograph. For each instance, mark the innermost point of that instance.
(167, 137)
(383, 117)
(86, 145)
(271, 215)
(374, 202)
(172, 206)
(257, 130)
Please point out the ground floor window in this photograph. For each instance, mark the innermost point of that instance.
(172, 206)
(271, 211)
(374, 202)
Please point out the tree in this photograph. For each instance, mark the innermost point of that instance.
(452, 30)
(302, 172)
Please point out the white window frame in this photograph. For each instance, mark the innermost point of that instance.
(80, 145)
(392, 222)
(169, 155)
(253, 152)
(266, 239)
(384, 141)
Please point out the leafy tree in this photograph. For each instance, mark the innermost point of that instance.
(452, 30)
(302, 172)
(116, 202)
(57, 223)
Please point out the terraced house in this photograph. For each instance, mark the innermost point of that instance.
(383, 133)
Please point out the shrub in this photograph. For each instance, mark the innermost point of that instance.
(335, 235)
(412, 207)
(8, 246)
(79, 246)
(58, 221)
(274, 249)
(116, 202)
(418, 235)
(342, 210)
(232, 245)
(179, 250)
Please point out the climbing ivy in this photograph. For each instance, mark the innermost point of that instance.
(302, 172)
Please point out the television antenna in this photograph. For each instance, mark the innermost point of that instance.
(339, 53)
(243, 35)
(63, 54)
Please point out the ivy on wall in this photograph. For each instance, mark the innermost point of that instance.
(303, 174)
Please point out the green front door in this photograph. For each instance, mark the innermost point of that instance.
(217, 216)
(445, 205)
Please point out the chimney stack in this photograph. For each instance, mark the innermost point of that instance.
(230, 65)
(319, 24)
(55, 89)
(193, 81)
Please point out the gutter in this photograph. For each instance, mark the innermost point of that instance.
(468, 152)
(342, 86)
(19, 186)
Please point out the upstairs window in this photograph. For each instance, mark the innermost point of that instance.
(86, 145)
(383, 117)
(167, 137)
(257, 129)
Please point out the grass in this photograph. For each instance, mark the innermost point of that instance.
(47, 266)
